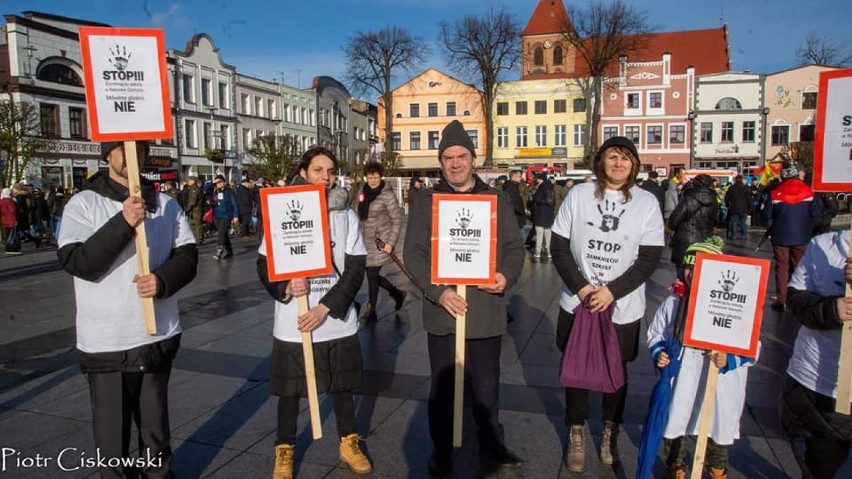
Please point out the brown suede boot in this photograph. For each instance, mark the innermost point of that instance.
(576, 460)
(284, 456)
(609, 444)
(677, 471)
(351, 455)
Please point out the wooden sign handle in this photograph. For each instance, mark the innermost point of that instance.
(844, 369)
(458, 401)
(132, 162)
(310, 373)
(706, 417)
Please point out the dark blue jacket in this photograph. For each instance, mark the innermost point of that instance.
(226, 207)
(790, 210)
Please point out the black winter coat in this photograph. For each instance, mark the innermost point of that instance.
(738, 199)
(544, 205)
(694, 217)
(655, 189)
(513, 189)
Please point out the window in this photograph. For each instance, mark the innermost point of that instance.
(521, 137)
(557, 55)
(559, 106)
(540, 107)
(520, 108)
(540, 135)
(49, 120)
(748, 131)
(780, 135)
(632, 100)
(189, 134)
(728, 103)
(396, 140)
(224, 137)
(433, 109)
(806, 133)
(433, 140)
(414, 110)
(579, 135)
(632, 133)
(223, 96)
(58, 73)
(258, 106)
(414, 140)
(655, 100)
(77, 122)
(706, 132)
(809, 101)
(609, 132)
(245, 101)
(208, 136)
(727, 132)
(270, 108)
(560, 135)
(538, 57)
(502, 108)
(247, 138)
(451, 108)
(206, 92)
(474, 137)
(677, 134)
(655, 134)
(188, 90)
(579, 104)
(502, 137)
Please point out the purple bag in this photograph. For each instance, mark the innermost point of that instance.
(592, 357)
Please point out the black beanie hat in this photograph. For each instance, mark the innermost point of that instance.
(454, 134)
(108, 146)
(618, 141)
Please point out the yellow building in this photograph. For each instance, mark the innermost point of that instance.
(422, 107)
(539, 122)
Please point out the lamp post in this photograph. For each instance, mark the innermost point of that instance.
(691, 118)
(765, 112)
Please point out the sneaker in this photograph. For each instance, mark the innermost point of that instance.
(13, 252)
(351, 455)
(284, 457)
(218, 254)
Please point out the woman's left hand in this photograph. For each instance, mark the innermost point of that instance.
(600, 299)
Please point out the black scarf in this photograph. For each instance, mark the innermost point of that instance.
(368, 196)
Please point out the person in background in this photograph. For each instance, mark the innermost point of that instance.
(414, 186)
(512, 187)
(194, 208)
(169, 189)
(652, 186)
(694, 218)
(544, 203)
(8, 217)
(828, 207)
(21, 195)
(226, 211)
(245, 203)
(738, 198)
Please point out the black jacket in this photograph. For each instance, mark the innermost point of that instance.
(544, 202)
(738, 199)
(244, 200)
(513, 189)
(655, 189)
(694, 217)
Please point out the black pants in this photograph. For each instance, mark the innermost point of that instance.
(288, 412)
(223, 238)
(482, 375)
(143, 397)
(577, 400)
(245, 224)
(717, 455)
(374, 280)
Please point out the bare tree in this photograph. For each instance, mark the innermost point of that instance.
(373, 61)
(277, 155)
(21, 139)
(601, 33)
(483, 48)
(820, 50)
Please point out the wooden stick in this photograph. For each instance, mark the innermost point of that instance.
(310, 373)
(706, 417)
(132, 162)
(844, 369)
(458, 403)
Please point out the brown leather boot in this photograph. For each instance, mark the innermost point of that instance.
(351, 455)
(284, 457)
(609, 443)
(576, 457)
(717, 473)
(677, 470)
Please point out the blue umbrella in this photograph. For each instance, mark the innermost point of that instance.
(658, 412)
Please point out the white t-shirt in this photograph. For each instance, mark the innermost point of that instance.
(109, 311)
(605, 238)
(816, 353)
(345, 233)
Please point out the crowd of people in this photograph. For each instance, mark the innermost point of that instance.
(576, 227)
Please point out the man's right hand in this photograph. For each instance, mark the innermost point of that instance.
(297, 287)
(133, 210)
(453, 303)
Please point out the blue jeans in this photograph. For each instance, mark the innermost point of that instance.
(738, 222)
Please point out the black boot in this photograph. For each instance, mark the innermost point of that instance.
(398, 296)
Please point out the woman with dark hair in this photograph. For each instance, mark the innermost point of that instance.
(607, 241)
(694, 218)
(331, 318)
(380, 214)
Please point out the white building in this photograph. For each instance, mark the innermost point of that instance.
(258, 111)
(299, 115)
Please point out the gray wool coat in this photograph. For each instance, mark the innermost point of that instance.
(384, 221)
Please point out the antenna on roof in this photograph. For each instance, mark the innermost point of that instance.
(721, 15)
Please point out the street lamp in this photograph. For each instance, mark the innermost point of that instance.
(691, 117)
(765, 112)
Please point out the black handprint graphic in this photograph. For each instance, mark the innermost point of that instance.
(464, 216)
(294, 209)
(728, 281)
(609, 220)
(120, 57)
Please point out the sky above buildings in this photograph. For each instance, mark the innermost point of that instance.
(295, 40)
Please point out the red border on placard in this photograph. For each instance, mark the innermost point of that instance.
(492, 199)
(91, 99)
(819, 138)
(265, 193)
(751, 351)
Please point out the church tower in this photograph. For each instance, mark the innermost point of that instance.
(544, 51)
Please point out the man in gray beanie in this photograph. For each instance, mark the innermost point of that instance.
(485, 308)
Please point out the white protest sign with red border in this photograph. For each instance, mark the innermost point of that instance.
(833, 145)
(464, 239)
(296, 232)
(126, 81)
(726, 304)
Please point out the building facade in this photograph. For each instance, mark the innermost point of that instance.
(422, 107)
(298, 116)
(258, 113)
(334, 120)
(363, 132)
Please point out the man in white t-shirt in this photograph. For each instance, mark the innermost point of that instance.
(607, 241)
(128, 369)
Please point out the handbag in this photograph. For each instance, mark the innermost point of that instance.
(592, 356)
(208, 216)
(13, 240)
